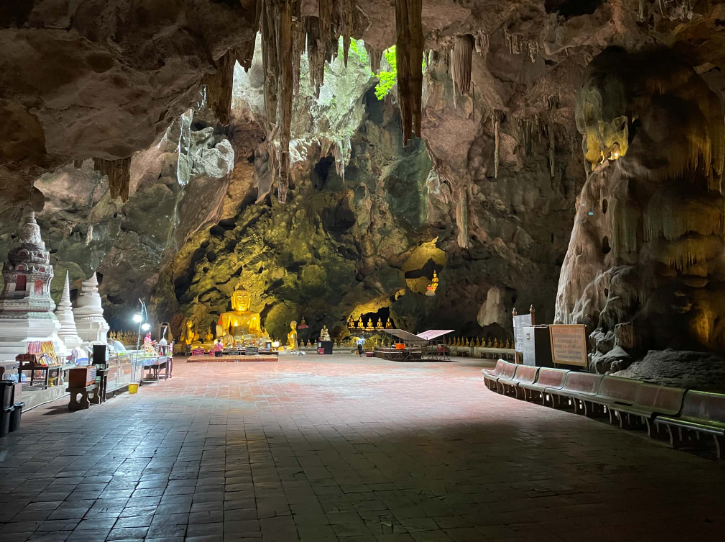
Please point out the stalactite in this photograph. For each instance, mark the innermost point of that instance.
(641, 12)
(496, 120)
(525, 129)
(346, 22)
(285, 38)
(219, 87)
(552, 102)
(409, 58)
(375, 57)
(517, 44)
(298, 45)
(118, 173)
(244, 54)
(462, 54)
(271, 66)
(462, 219)
(454, 79)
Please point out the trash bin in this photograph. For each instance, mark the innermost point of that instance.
(15, 416)
(5, 415)
(7, 392)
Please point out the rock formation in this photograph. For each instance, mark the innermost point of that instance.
(644, 267)
(153, 136)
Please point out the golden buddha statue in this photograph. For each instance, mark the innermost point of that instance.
(360, 324)
(495, 343)
(240, 321)
(190, 335)
(351, 322)
(379, 325)
(209, 337)
(292, 335)
(388, 324)
(370, 325)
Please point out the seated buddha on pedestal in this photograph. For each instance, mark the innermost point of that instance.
(240, 321)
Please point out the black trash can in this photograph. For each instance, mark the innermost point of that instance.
(15, 416)
(7, 393)
(5, 415)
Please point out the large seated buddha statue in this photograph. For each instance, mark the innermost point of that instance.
(240, 321)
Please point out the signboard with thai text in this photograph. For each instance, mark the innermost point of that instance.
(568, 344)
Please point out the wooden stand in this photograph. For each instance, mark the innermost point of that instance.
(87, 395)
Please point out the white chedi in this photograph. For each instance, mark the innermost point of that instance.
(92, 327)
(64, 313)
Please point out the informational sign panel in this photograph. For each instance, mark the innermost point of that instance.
(520, 322)
(568, 344)
(251, 351)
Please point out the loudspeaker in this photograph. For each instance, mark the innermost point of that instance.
(99, 354)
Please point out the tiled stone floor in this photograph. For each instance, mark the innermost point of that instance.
(340, 448)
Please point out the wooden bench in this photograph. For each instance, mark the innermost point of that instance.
(490, 377)
(546, 378)
(702, 413)
(613, 391)
(579, 389)
(651, 400)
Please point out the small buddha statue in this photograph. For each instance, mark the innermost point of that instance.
(468, 341)
(324, 334)
(351, 322)
(388, 324)
(209, 337)
(360, 324)
(292, 335)
(309, 343)
(240, 320)
(379, 325)
(495, 343)
(477, 343)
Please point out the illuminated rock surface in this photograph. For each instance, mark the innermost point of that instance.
(188, 203)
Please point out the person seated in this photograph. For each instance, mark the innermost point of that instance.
(218, 348)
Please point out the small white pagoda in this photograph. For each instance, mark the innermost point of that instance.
(26, 308)
(68, 332)
(92, 327)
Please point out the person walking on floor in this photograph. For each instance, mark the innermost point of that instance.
(360, 344)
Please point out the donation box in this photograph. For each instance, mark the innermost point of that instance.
(82, 377)
(537, 346)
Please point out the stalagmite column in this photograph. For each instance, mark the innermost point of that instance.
(119, 177)
(409, 58)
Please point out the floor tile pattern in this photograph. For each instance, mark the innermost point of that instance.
(333, 448)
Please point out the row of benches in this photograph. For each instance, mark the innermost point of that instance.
(684, 414)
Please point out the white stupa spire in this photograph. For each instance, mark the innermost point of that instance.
(64, 313)
(91, 325)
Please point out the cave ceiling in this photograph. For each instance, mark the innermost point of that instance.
(144, 87)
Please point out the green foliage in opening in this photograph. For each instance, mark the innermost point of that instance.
(387, 79)
(356, 51)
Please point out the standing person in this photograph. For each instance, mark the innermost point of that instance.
(218, 348)
(360, 343)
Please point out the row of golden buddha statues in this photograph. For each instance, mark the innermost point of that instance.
(369, 327)
(124, 336)
(485, 342)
